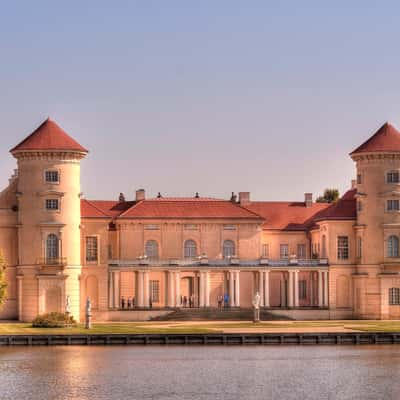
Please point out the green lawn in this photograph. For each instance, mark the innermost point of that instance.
(205, 327)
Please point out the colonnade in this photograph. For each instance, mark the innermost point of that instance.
(202, 282)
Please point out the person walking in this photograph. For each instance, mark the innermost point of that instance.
(219, 300)
(226, 300)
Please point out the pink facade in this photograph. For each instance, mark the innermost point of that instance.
(306, 260)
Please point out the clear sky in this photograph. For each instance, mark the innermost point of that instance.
(208, 96)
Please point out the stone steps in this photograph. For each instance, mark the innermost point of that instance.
(199, 314)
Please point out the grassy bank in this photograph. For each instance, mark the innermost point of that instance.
(206, 327)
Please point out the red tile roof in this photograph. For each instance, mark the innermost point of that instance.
(49, 136)
(103, 208)
(386, 139)
(344, 208)
(288, 216)
(188, 208)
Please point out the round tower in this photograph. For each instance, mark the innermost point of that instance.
(378, 219)
(49, 248)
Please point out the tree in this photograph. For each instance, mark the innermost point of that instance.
(3, 284)
(329, 196)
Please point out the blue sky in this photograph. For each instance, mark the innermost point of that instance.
(208, 96)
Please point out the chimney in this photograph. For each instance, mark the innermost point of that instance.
(353, 183)
(308, 199)
(140, 195)
(244, 198)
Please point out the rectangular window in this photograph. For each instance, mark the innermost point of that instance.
(155, 291)
(343, 248)
(393, 205)
(265, 250)
(359, 179)
(359, 206)
(109, 251)
(284, 251)
(392, 177)
(301, 251)
(152, 227)
(394, 296)
(302, 289)
(191, 227)
(91, 249)
(52, 177)
(228, 227)
(51, 204)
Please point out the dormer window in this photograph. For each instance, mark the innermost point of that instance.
(393, 177)
(52, 176)
(52, 204)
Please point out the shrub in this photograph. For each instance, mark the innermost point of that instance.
(53, 320)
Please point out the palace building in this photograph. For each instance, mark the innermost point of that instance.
(142, 256)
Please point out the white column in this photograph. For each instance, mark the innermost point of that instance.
(266, 289)
(110, 290)
(290, 290)
(178, 289)
(146, 291)
(201, 289)
(261, 287)
(231, 290)
(296, 288)
(170, 300)
(207, 291)
(116, 289)
(237, 289)
(139, 297)
(326, 301)
(320, 289)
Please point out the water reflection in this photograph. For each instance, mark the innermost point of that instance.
(282, 372)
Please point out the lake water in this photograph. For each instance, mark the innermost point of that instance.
(260, 372)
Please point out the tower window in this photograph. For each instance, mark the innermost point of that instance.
(393, 205)
(359, 206)
(52, 204)
(52, 177)
(52, 248)
(91, 249)
(359, 179)
(343, 248)
(393, 177)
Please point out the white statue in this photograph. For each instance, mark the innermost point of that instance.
(68, 305)
(88, 319)
(256, 305)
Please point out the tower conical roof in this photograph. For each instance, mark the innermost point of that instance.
(49, 136)
(386, 139)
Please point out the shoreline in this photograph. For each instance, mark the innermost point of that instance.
(330, 338)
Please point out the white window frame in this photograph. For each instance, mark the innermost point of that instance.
(152, 257)
(283, 255)
(359, 246)
(302, 246)
(50, 170)
(231, 248)
(392, 177)
(342, 249)
(50, 201)
(391, 250)
(392, 205)
(154, 290)
(265, 250)
(96, 261)
(394, 296)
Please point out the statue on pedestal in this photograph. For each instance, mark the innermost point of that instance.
(88, 315)
(68, 306)
(256, 307)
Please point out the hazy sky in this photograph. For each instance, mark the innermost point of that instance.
(209, 96)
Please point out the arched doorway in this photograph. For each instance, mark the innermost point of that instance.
(53, 300)
(187, 289)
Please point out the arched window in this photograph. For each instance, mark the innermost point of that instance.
(190, 249)
(52, 247)
(151, 249)
(228, 248)
(393, 246)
